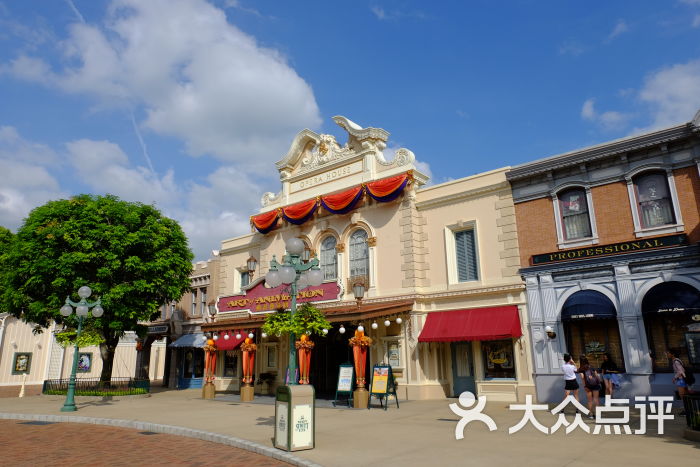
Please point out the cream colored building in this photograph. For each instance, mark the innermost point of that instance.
(439, 264)
(28, 359)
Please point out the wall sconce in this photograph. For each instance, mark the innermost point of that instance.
(358, 290)
(550, 332)
(252, 263)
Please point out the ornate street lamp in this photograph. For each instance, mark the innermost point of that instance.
(81, 310)
(299, 274)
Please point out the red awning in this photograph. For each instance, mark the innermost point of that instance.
(231, 343)
(476, 324)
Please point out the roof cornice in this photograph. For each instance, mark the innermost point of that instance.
(601, 151)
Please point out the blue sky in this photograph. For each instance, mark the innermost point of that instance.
(187, 104)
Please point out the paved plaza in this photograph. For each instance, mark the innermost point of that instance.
(417, 433)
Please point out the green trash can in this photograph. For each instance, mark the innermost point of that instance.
(295, 417)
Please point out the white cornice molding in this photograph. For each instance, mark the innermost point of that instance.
(461, 196)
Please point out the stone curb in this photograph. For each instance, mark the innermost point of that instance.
(169, 430)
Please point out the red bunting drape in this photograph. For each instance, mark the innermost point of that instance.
(341, 203)
(387, 189)
(300, 212)
(384, 190)
(265, 222)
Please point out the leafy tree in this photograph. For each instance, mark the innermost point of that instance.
(307, 319)
(129, 254)
(6, 238)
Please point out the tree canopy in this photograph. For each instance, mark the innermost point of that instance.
(131, 256)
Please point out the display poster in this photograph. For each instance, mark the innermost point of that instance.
(380, 379)
(393, 353)
(345, 375)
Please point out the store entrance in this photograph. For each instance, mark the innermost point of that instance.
(329, 352)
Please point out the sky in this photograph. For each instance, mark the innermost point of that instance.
(187, 104)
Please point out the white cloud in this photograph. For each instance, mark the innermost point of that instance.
(197, 77)
(609, 120)
(384, 15)
(620, 28)
(588, 110)
(571, 48)
(27, 181)
(696, 21)
(672, 94)
(378, 12)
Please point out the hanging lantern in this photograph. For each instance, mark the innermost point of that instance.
(399, 321)
(361, 328)
(375, 325)
(387, 323)
(342, 329)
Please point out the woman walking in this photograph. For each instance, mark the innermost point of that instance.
(608, 368)
(591, 383)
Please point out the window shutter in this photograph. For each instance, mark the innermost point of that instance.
(466, 256)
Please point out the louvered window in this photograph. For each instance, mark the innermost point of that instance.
(466, 256)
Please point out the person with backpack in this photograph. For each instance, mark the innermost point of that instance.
(681, 378)
(591, 383)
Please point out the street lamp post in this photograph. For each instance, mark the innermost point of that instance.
(299, 274)
(81, 310)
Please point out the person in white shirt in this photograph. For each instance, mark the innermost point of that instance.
(570, 377)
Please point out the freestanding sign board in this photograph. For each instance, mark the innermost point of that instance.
(383, 385)
(295, 413)
(346, 377)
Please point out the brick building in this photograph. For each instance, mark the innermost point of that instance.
(608, 239)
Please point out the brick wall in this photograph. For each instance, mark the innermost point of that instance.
(612, 213)
(688, 188)
(537, 228)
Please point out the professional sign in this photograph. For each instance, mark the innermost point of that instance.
(613, 249)
(261, 298)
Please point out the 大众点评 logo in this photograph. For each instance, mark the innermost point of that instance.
(611, 418)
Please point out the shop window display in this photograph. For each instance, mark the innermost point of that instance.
(230, 363)
(498, 359)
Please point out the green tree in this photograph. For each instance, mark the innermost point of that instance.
(6, 238)
(129, 254)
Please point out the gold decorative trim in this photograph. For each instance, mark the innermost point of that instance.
(372, 241)
(340, 247)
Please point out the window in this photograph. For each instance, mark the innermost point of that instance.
(203, 300)
(359, 254)
(194, 302)
(591, 338)
(163, 312)
(245, 279)
(573, 209)
(329, 258)
(230, 363)
(465, 250)
(498, 359)
(653, 198)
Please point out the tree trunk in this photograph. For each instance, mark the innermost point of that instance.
(107, 350)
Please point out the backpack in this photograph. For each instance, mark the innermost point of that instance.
(592, 379)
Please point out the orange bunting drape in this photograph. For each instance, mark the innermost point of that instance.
(387, 189)
(265, 222)
(341, 203)
(300, 212)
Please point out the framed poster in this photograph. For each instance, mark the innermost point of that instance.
(345, 374)
(21, 363)
(380, 379)
(84, 362)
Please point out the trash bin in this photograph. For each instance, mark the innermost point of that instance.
(295, 417)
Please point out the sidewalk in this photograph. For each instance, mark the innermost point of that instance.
(420, 432)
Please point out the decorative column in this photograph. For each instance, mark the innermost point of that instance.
(360, 343)
(209, 390)
(248, 349)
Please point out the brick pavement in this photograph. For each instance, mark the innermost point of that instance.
(74, 444)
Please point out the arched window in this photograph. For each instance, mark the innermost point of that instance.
(329, 258)
(575, 219)
(653, 200)
(359, 254)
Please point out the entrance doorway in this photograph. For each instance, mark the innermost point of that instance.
(191, 368)
(328, 354)
(463, 368)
